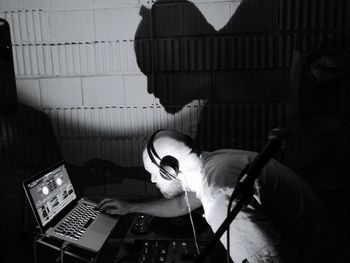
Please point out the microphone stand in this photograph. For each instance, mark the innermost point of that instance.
(243, 191)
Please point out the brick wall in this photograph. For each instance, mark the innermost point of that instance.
(75, 61)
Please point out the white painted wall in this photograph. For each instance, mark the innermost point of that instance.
(74, 60)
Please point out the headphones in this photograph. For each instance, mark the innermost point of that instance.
(168, 165)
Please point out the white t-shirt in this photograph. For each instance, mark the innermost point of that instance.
(279, 206)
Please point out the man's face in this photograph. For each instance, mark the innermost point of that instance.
(169, 188)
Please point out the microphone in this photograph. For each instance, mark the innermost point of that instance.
(281, 136)
(278, 139)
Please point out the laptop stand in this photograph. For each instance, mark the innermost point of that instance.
(48, 249)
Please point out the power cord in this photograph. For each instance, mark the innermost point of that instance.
(232, 198)
(191, 219)
(228, 257)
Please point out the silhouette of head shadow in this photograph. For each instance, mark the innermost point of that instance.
(168, 52)
(185, 58)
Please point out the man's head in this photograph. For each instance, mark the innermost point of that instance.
(168, 157)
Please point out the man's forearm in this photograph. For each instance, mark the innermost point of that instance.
(166, 207)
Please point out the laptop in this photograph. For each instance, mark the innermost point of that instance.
(61, 214)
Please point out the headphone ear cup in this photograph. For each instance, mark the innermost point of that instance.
(169, 167)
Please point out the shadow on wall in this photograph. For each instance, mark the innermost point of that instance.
(27, 145)
(246, 74)
(243, 71)
(186, 59)
(237, 71)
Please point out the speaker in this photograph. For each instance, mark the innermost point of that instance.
(8, 94)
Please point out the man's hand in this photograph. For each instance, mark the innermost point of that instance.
(161, 208)
(114, 207)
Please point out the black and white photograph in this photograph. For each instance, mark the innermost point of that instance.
(176, 131)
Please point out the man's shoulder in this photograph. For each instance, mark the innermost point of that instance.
(222, 167)
(229, 154)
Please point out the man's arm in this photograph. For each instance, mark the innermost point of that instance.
(173, 207)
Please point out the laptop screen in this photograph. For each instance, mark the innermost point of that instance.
(51, 193)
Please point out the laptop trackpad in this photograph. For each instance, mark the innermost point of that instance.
(103, 224)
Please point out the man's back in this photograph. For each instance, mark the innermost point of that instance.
(294, 210)
(283, 208)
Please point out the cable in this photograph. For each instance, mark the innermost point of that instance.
(232, 198)
(228, 233)
(228, 228)
(193, 228)
(63, 247)
(189, 212)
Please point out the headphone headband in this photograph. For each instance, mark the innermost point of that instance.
(150, 148)
(165, 163)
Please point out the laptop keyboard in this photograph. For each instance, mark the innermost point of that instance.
(74, 225)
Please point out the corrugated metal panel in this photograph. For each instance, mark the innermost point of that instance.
(240, 86)
(222, 53)
(314, 14)
(75, 59)
(241, 52)
(222, 86)
(143, 53)
(242, 126)
(239, 126)
(92, 129)
(193, 85)
(226, 52)
(125, 152)
(185, 19)
(263, 17)
(328, 41)
(52, 4)
(25, 25)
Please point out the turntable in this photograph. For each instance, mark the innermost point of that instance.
(154, 239)
(149, 227)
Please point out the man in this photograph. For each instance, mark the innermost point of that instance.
(281, 223)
